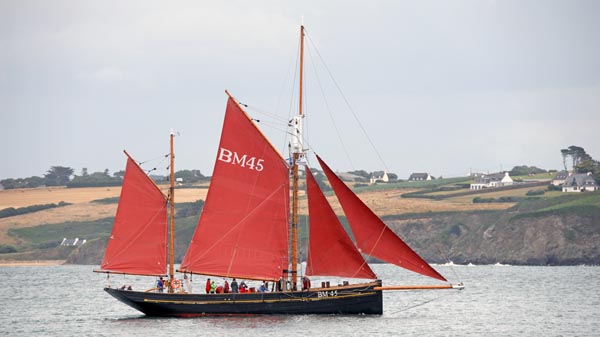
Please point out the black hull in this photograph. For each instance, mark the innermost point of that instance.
(349, 300)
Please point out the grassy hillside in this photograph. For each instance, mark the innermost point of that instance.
(572, 203)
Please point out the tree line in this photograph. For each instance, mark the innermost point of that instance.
(64, 176)
(580, 160)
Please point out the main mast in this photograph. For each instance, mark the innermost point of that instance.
(298, 155)
(171, 215)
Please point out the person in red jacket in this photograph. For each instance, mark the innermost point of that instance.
(208, 286)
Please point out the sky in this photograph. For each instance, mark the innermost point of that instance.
(444, 87)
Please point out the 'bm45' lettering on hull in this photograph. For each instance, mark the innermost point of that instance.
(234, 158)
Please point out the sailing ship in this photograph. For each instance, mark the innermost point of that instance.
(248, 230)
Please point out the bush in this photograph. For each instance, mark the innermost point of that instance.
(479, 200)
(105, 201)
(535, 192)
(11, 211)
(6, 249)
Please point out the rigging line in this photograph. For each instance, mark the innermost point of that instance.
(285, 141)
(337, 130)
(266, 113)
(270, 123)
(163, 159)
(449, 263)
(425, 302)
(445, 256)
(280, 96)
(348, 105)
(153, 159)
(272, 126)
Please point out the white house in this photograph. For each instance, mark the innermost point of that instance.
(419, 176)
(580, 182)
(491, 181)
(379, 176)
(560, 177)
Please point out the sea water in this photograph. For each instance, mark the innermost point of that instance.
(497, 301)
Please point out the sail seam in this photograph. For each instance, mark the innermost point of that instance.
(238, 223)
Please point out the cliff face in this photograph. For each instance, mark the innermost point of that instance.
(90, 253)
(562, 230)
(563, 238)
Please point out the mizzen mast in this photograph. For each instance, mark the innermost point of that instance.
(171, 215)
(298, 156)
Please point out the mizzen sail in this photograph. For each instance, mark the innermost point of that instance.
(372, 236)
(331, 251)
(243, 229)
(138, 242)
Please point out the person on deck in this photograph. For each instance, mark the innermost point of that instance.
(226, 287)
(263, 288)
(188, 283)
(213, 287)
(160, 284)
(234, 286)
(208, 286)
(305, 283)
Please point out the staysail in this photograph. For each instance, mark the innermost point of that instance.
(243, 229)
(331, 252)
(372, 236)
(138, 242)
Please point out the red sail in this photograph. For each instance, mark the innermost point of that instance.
(138, 242)
(331, 252)
(243, 229)
(372, 236)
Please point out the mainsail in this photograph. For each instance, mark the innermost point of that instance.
(331, 252)
(372, 236)
(138, 242)
(243, 229)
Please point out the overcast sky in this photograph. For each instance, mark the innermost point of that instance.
(444, 87)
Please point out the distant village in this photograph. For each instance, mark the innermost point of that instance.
(566, 180)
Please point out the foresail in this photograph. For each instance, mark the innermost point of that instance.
(138, 242)
(243, 229)
(372, 236)
(331, 251)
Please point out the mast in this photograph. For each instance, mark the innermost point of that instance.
(171, 215)
(298, 154)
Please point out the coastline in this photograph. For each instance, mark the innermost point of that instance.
(17, 263)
